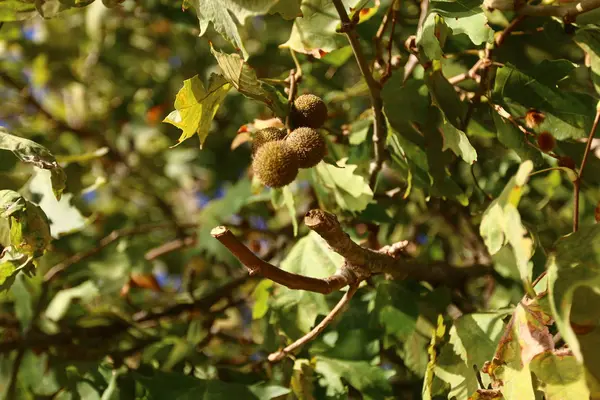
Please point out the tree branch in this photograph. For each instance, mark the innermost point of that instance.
(339, 307)
(568, 12)
(257, 266)
(379, 124)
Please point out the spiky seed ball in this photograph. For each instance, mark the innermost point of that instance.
(309, 110)
(567, 162)
(534, 118)
(267, 135)
(546, 141)
(275, 164)
(308, 145)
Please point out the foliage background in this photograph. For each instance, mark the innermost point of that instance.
(118, 290)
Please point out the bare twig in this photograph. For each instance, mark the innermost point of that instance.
(577, 183)
(257, 266)
(379, 125)
(107, 240)
(170, 247)
(291, 96)
(568, 12)
(339, 307)
(413, 60)
(388, 69)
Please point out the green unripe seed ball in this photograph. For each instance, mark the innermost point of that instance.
(275, 164)
(308, 145)
(267, 135)
(309, 110)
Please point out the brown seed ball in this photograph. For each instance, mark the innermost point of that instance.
(546, 142)
(267, 135)
(308, 110)
(308, 145)
(275, 164)
(567, 162)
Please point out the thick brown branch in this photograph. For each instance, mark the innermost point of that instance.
(257, 266)
(339, 307)
(369, 262)
(328, 227)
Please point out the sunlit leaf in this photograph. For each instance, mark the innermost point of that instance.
(37, 155)
(351, 191)
(196, 106)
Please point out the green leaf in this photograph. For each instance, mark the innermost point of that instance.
(219, 211)
(315, 33)
(288, 9)
(437, 336)
(527, 337)
(474, 26)
(11, 263)
(63, 216)
(16, 10)
(177, 386)
(473, 340)
(288, 200)
(445, 98)
(195, 106)
(588, 38)
(574, 288)
(456, 8)
(456, 140)
(29, 226)
(221, 13)
(501, 223)
(396, 309)
(351, 191)
(37, 155)
(560, 375)
(61, 302)
(568, 115)
(265, 391)
(432, 37)
(512, 138)
(297, 310)
(370, 380)
(302, 382)
(239, 74)
(261, 294)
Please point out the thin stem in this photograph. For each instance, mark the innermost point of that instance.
(413, 60)
(577, 183)
(107, 240)
(291, 96)
(379, 125)
(339, 307)
(568, 12)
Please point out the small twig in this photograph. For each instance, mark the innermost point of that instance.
(413, 60)
(107, 240)
(257, 266)
(388, 69)
(379, 124)
(297, 64)
(339, 307)
(568, 12)
(577, 183)
(291, 97)
(507, 31)
(170, 247)
(379, 35)
(470, 74)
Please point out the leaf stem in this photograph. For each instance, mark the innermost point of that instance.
(379, 125)
(577, 182)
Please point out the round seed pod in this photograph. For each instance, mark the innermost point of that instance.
(308, 145)
(308, 110)
(567, 162)
(275, 164)
(267, 135)
(546, 141)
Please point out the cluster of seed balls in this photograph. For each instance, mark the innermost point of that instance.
(278, 156)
